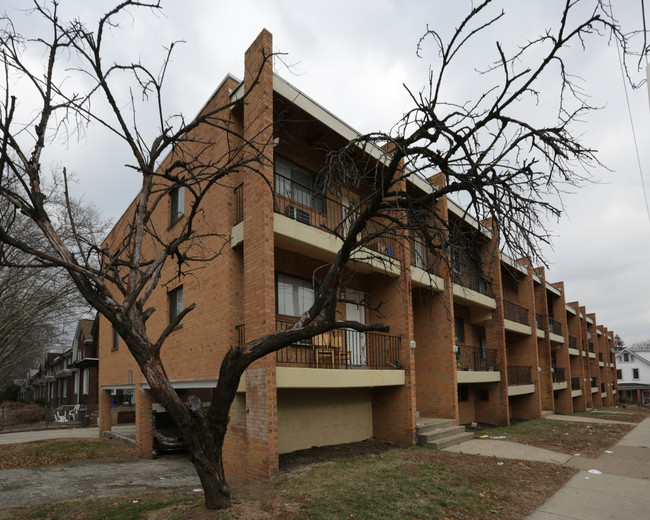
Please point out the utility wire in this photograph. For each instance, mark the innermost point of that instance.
(629, 109)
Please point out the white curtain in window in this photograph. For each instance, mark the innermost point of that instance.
(295, 296)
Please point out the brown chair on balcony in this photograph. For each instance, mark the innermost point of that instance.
(328, 350)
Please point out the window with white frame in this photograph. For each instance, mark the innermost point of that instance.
(177, 204)
(116, 339)
(86, 381)
(175, 303)
(294, 295)
(76, 383)
(296, 183)
(626, 357)
(635, 373)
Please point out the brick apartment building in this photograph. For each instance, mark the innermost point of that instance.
(483, 341)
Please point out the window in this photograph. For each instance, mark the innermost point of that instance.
(116, 339)
(419, 252)
(297, 184)
(177, 204)
(626, 357)
(175, 303)
(295, 295)
(459, 327)
(455, 260)
(635, 373)
(619, 374)
(86, 381)
(76, 383)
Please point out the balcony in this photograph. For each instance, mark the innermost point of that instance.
(592, 352)
(476, 364)
(555, 331)
(539, 325)
(516, 318)
(519, 380)
(341, 349)
(594, 385)
(559, 378)
(573, 346)
(472, 289)
(423, 272)
(308, 222)
(576, 391)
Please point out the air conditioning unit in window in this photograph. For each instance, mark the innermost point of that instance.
(298, 214)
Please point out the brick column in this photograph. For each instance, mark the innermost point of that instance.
(105, 422)
(143, 426)
(259, 268)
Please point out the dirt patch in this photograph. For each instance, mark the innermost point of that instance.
(317, 454)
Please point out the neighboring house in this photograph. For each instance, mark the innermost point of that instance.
(633, 374)
(487, 339)
(69, 378)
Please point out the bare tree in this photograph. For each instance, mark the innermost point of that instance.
(501, 163)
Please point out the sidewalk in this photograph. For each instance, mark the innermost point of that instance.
(54, 433)
(621, 490)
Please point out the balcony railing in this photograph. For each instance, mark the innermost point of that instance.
(594, 383)
(558, 375)
(591, 347)
(309, 207)
(573, 342)
(602, 387)
(575, 383)
(422, 258)
(514, 312)
(539, 321)
(554, 326)
(518, 375)
(341, 348)
(472, 280)
(600, 356)
(476, 358)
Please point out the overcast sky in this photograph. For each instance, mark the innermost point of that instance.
(353, 58)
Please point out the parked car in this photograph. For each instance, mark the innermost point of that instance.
(167, 436)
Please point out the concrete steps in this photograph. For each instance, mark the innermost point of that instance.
(440, 433)
(546, 413)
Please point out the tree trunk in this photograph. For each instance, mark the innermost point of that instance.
(208, 462)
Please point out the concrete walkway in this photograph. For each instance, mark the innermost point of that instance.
(618, 486)
(39, 435)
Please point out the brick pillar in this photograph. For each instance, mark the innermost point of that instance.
(496, 410)
(435, 361)
(105, 422)
(259, 271)
(574, 329)
(143, 426)
(544, 345)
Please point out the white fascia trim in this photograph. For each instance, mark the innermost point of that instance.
(514, 264)
(537, 278)
(590, 321)
(550, 287)
(206, 383)
(599, 332)
(571, 309)
(461, 213)
(117, 387)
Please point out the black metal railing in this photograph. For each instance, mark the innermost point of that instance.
(239, 203)
(602, 387)
(519, 375)
(241, 334)
(594, 383)
(573, 342)
(514, 312)
(591, 347)
(559, 375)
(554, 326)
(341, 348)
(476, 358)
(600, 356)
(472, 280)
(575, 383)
(309, 207)
(539, 321)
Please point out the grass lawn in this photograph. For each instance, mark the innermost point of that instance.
(410, 483)
(588, 439)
